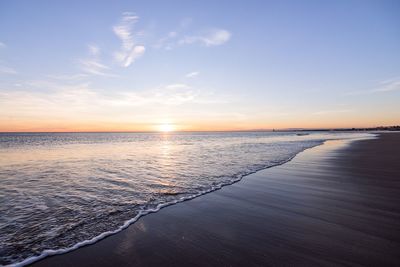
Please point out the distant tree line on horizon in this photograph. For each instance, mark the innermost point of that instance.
(379, 128)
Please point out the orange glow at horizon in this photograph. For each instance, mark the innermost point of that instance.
(166, 128)
(186, 125)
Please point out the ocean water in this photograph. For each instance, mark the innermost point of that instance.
(59, 191)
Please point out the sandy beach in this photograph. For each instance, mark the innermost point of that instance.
(333, 205)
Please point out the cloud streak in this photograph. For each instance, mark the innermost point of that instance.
(169, 41)
(212, 37)
(332, 111)
(192, 74)
(384, 87)
(388, 86)
(7, 70)
(92, 65)
(94, 50)
(129, 50)
(68, 77)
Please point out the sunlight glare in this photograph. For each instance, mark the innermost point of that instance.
(166, 127)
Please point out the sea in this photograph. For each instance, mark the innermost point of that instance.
(60, 191)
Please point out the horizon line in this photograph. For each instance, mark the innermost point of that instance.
(193, 131)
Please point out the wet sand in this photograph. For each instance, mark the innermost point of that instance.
(334, 205)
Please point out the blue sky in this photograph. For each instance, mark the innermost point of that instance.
(136, 65)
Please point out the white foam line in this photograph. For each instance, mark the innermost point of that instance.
(52, 252)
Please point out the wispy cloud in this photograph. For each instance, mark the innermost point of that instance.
(68, 77)
(48, 103)
(383, 87)
(175, 86)
(78, 104)
(50, 86)
(332, 111)
(169, 95)
(212, 37)
(92, 65)
(388, 86)
(169, 41)
(2, 45)
(7, 70)
(71, 97)
(179, 36)
(192, 74)
(94, 50)
(129, 50)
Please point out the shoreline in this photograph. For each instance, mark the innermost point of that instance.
(75, 257)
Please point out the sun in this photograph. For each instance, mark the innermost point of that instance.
(166, 127)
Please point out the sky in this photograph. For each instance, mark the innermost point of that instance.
(198, 65)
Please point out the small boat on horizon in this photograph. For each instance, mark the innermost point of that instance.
(302, 134)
